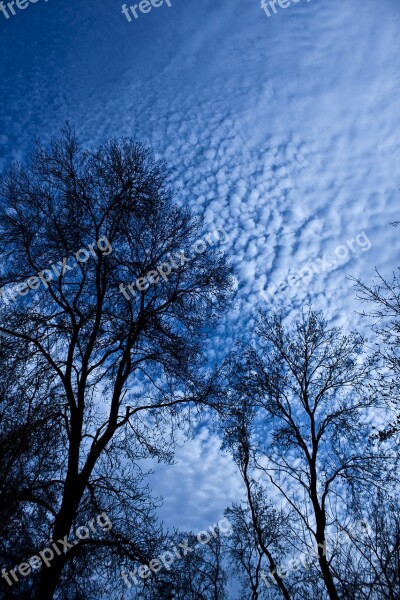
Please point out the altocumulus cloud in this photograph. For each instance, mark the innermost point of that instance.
(266, 125)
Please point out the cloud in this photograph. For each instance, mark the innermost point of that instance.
(202, 483)
(285, 131)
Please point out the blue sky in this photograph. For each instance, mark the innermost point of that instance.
(282, 130)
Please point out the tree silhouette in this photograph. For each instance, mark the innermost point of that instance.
(383, 296)
(199, 573)
(298, 427)
(111, 374)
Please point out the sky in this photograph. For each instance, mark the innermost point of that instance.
(283, 130)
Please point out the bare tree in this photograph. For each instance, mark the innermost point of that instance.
(367, 561)
(302, 392)
(257, 564)
(246, 555)
(120, 371)
(202, 574)
(197, 571)
(28, 430)
(383, 297)
(259, 527)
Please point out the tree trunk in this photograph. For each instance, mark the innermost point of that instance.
(49, 580)
(328, 579)
(50, 576)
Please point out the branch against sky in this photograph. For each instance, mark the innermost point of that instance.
(120, 373)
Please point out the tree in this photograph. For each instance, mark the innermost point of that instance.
(298, 427)
(384, 298)
(259, 528)
(27, 448)
(368, 557)
(257, 544)
(199, 573)
(119, 369)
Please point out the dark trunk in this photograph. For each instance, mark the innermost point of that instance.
(49, 580)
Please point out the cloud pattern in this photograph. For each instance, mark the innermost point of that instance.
(283, 130)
